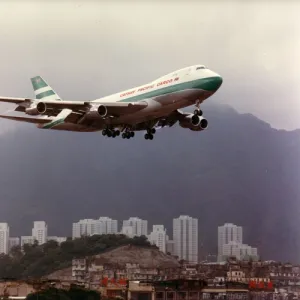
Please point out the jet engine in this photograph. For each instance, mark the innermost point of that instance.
(97, 111)
(193, 122)
(36, 109)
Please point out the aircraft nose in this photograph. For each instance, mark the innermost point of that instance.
(216, 81)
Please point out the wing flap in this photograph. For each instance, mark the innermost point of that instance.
(121, 108)
(130, 108)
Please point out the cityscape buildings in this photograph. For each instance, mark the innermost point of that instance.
(138, 226)
(103, 225)
(230, 243)
(13, 241)
(40, 231)
(185, 236)
(184, 243)
(158, 237)
(4, 238)
(228, 233)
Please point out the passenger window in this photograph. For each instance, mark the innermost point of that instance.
(198, 68)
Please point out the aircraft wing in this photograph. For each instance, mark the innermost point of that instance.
(54, 107)
(35, 120)
(26, 102)
(12, 100)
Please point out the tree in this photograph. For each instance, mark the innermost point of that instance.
(15, 252)
(36, 261)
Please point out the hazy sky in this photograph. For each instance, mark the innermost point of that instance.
(88, 49)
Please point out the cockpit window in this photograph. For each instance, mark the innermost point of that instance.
(198, 68)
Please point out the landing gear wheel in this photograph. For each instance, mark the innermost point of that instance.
(151, 131)
(132, 134)
(117, 132)
(114, 134)
(104, 132)
(124, 135)
(109, 133)
(198, 112)
(148, 136)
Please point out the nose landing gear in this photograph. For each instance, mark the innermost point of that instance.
(198, 111)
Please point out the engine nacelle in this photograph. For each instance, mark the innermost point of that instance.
(97, 111)
(194, 122)
(102, 111)
(37, 109)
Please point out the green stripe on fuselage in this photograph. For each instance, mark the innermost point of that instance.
(45, 94)
(210, 84)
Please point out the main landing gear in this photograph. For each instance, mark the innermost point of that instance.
(110, 132)
(127, 134)
(150, 133)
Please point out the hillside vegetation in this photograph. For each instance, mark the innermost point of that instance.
(36, 261)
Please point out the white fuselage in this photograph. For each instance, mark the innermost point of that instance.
(176, 90)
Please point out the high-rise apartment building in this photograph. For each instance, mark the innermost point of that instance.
(170, 246)
(228, 233)
(185, 236)
(27, 240)
(85, 227)
(13, 241)
(4, 238)
(40, 231)
(128, 231)
(108, 225)
(88, 227)
(238, 250)
(158, 237)
(139, 226)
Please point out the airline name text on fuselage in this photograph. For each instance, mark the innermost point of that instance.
(147, 87)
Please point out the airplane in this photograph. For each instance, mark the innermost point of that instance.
(144, 108)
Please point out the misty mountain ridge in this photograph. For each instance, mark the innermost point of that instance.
(240, 170)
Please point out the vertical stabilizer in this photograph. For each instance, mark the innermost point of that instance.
(42, 90)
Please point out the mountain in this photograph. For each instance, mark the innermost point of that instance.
(239, 170)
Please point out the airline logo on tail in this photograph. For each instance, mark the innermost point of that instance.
(42, 90)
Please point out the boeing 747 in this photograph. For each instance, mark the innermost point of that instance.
(146, 107)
